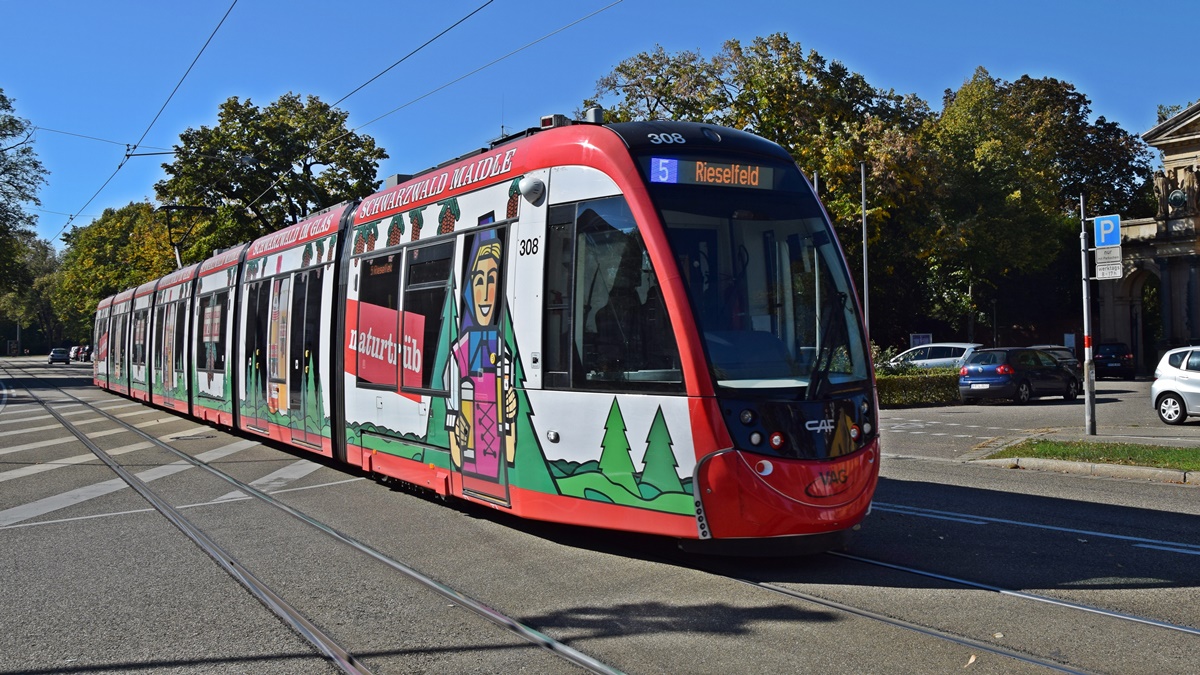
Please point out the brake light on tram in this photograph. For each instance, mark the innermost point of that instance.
(776, 440)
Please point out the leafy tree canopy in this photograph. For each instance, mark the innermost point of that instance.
(21, 174)
(121, 249)
(261, 169)
(30, 303)
(829, 118)
(1013, 159)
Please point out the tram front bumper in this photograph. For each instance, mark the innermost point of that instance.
(748, 495)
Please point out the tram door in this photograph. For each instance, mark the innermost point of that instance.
(305, 398)
(258, 296)
(482, 442)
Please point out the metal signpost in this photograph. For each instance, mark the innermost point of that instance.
(1106, 234)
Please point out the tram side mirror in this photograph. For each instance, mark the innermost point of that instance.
(533, 189)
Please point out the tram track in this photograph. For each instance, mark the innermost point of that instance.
(843, 584)
(810, 593)
(830, 590)
(339, 656)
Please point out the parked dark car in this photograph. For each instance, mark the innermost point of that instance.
(1113, 359)
(1065, 356)
(59, 355)
(1016, 373)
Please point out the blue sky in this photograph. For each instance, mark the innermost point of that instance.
(103, 70)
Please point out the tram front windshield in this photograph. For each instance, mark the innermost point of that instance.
(766, 280)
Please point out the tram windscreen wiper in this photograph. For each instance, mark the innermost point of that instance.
(835, 314)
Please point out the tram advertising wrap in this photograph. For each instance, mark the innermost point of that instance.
(642, 326)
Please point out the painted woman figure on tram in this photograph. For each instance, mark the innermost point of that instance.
(483, 402)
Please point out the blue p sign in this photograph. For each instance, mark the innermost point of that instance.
(1108, 231)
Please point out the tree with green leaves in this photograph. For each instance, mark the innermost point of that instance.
(21, 174)
(32, 304)
(828, 118)
(121, 249)
(261, 169)
(1013, 159)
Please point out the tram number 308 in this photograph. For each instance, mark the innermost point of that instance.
(661, 139)
(528, 247)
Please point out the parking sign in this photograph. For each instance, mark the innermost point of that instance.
(1108, 231)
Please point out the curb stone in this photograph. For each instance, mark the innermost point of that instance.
(1100, 470)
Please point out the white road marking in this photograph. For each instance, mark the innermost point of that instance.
(77, 496)
(275, 480)
(67, 439)
(34, 469)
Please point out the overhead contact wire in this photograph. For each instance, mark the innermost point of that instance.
(405, 57)
(451, 82)
(130, 148)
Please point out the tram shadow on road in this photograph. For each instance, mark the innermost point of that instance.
(1005, 540)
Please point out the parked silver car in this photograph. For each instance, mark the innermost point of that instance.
(1175, 393)
(935, 355)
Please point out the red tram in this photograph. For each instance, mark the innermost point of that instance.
(643, 326)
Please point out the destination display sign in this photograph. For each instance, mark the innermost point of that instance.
(700, 172)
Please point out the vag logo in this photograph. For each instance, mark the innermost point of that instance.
(825, 425)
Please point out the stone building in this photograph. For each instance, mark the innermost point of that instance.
(1156, 305)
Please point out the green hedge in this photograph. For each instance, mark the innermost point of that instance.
(928, 388)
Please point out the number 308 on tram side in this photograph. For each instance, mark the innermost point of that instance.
(643, 326)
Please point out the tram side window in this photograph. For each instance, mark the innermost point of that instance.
(378, 322)
(607, 326)
(117, 345)
(427, 281)
(212, 332)
(100, 334)
(159, 315)
(180, 337)
(277, 351)
(138, 358)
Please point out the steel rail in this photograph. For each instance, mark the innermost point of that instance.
(528, 633)
(1022, 594)
(923, 630)
(280, 607)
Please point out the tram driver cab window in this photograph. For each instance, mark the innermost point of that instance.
(607, 325)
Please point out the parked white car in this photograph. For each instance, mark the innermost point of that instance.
(1175, 393)
(935, 355)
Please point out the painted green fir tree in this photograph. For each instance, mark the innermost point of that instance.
(616, 463)
(659, 460)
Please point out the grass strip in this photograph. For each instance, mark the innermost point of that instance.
(1130, 454)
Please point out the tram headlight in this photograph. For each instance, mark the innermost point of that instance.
(747, 417)
(755, 438)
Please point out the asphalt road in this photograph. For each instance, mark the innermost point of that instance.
(1066, 573)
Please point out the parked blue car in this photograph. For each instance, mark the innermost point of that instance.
(1015, 373)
